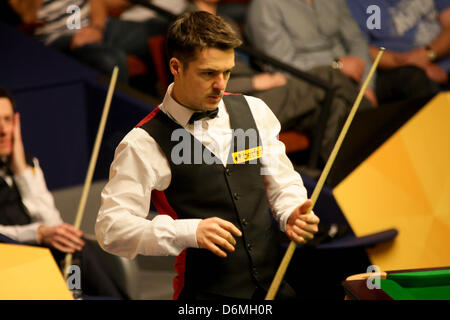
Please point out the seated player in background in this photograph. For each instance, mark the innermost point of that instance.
(27, 211)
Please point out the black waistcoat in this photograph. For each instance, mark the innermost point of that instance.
(235, 193)
(12, 210)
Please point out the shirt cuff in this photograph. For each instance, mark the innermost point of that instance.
(28, 233)
(284, 218)
(186, 232)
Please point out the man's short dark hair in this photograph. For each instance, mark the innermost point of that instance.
(5, 94)
(199, 30)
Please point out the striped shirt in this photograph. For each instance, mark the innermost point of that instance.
(61, 17)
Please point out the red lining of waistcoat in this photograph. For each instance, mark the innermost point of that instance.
(162, 205)
(148, 117)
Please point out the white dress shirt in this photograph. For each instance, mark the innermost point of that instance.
(140, 166)
(36, 199)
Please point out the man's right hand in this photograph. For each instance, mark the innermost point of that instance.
(214, 232)
(63, 237)
(353, 67)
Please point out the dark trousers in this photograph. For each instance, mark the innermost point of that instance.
(403, 83)
(94, 279)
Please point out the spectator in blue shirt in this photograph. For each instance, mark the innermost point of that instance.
(416, 33)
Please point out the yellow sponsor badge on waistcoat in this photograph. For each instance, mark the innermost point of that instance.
(247, 155)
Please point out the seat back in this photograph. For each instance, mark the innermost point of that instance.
(157, 49)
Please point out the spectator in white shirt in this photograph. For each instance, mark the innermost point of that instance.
(27, 211)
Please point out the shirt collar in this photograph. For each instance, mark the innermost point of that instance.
(178, 112)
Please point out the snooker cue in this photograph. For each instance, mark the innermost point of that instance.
(92, 163)
(273, 289)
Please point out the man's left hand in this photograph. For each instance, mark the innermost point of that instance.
(301, 226)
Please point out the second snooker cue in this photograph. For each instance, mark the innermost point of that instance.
(273, 289)
(92, 164)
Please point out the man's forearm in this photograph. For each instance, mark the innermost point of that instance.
(117, 4)
(389, 59)
(36, 197)
(98, 14)
(26, 9)
(441, 45)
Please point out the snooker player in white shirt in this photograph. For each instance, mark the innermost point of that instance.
(214, 217)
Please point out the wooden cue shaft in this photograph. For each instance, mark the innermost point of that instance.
(92, 164)
(273, 289)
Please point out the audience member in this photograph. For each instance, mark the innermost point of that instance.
(315, 35)
(27, 211)
(139, 13)
(85, 31)
(416, 34)
(296, 103)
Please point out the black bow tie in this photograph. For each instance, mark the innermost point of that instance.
(205, 114)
